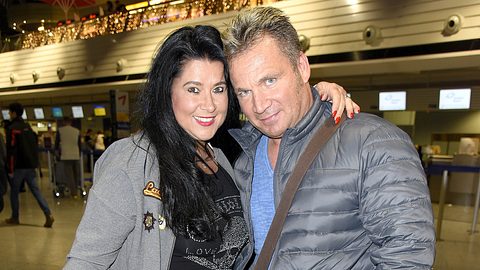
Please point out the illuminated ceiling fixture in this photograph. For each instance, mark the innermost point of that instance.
(176, 2)
(155, 2)
(137, 5)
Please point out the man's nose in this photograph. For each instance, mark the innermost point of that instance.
(260, 102)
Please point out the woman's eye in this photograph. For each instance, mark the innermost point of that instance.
(219, 89)
(193, 90)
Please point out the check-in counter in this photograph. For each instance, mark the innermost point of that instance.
(463, 165)
(462, 186)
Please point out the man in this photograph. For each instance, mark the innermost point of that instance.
(3, 172)
(88, 140)
(22, 158)
(362, 204)
(67, 146)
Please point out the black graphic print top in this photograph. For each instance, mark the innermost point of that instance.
(219, 253)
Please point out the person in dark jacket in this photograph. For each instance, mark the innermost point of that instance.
(363, 203)
(22, 158)
(3, 172)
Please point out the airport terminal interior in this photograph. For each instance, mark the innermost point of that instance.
(415, 63)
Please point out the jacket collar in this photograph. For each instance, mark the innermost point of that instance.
(248, 136)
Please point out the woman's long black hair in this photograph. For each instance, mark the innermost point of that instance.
(187, 203)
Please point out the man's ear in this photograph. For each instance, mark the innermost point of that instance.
(303, 67)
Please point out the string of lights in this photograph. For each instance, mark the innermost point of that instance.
(133, 19)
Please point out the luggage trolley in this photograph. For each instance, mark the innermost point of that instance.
(82, 189)
(56, 169)
(52, 167)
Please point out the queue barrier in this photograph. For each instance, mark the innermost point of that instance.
(444, 169)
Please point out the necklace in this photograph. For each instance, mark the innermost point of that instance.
(192, 237)
(205, 158)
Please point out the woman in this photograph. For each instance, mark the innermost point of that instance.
(192, 218)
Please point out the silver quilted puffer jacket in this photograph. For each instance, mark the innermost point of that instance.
(363, 204)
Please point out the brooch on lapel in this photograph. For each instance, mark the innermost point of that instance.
(148, 221)
(151, 190)
(162, 224)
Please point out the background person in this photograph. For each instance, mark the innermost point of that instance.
(89, 147)
(4, 179)
(363, 203)
(3, 171)
(22, 157)
(68, 145)
(98, 145)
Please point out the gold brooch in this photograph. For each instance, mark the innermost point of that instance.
(151, 190)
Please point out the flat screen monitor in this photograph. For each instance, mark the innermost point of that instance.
(38, 113)
(392, 101)
(57, 112)
(77, 111)
(5, 115)
(454, 99)
(99, 110)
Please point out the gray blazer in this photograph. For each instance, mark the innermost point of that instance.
(122, 227)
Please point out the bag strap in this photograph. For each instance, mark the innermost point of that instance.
(319, 139)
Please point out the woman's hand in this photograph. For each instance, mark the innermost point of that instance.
(339, 98)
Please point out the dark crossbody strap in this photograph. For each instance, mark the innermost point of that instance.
(317, 142)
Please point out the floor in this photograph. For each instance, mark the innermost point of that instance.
(31, 246)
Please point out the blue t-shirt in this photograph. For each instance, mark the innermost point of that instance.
(261, 203)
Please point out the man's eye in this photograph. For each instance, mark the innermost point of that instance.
(270, 81)
(193, 90)
(242, 93)
(219, 89)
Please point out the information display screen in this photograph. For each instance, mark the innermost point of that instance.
(99, 110)
(77, 111)
(5, 115)
(57, 112)
(38, 113)
(392, 101)
(454, 99)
